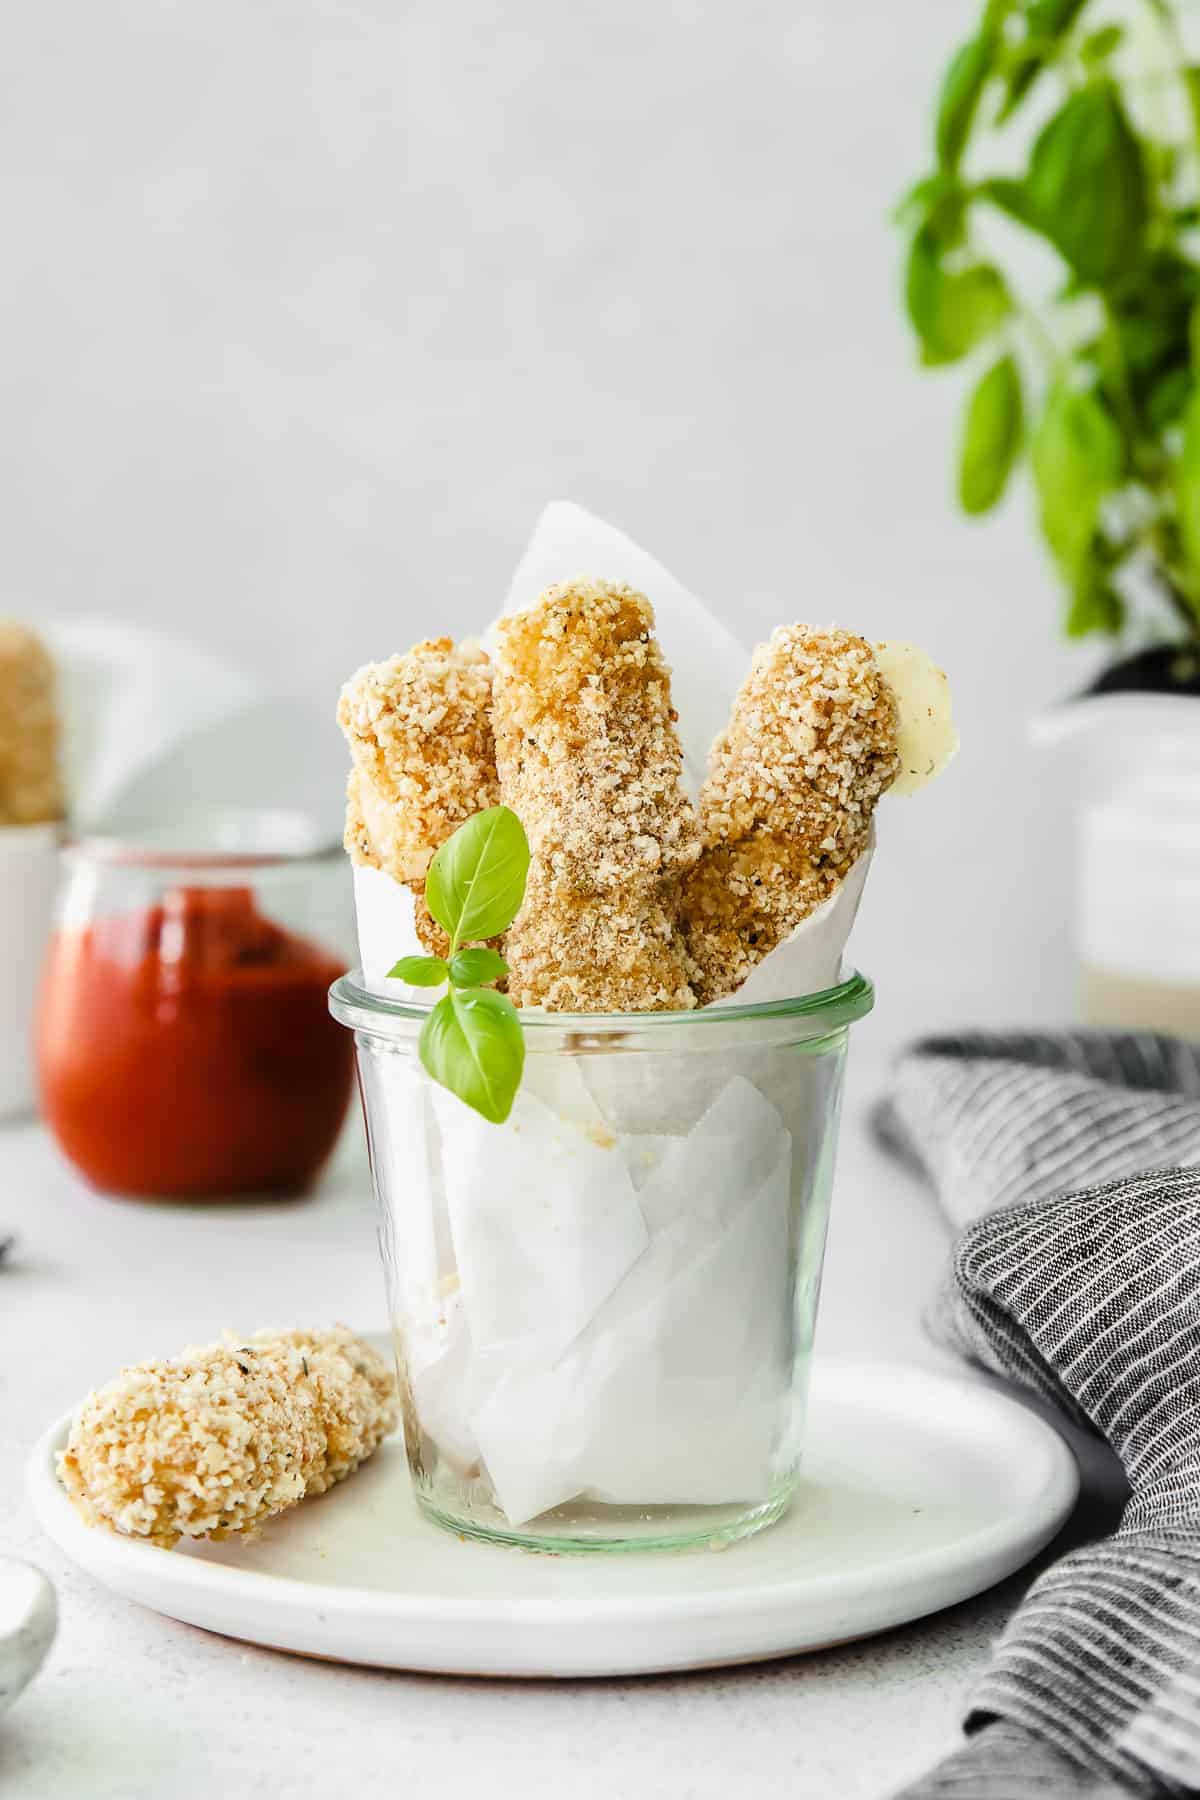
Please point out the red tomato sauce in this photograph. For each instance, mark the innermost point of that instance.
(188, 1050)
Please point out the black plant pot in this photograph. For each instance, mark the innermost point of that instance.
(1167, 669)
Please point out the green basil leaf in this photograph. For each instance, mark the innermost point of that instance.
(472, 968)
(951, 310)
(939, 201)
(1146, 339)
(1142, 351)
(420, 971)
(1187, 485)
(1168, 398)
(991, 437)
(1009, 196)
(1191, 79)
(1087, 185)
(1161, 163)
(476, 881)
(1022, 65)
(1078, 460)
(922, 282)
(958, 102)
(1098, 46)
(472, 1043)
(913, 207)
(1095, 604)
(1046, 23)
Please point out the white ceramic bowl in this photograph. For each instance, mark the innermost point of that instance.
(28, 1616)
(28, 875)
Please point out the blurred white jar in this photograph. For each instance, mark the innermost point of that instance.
(28, 876)
(1137, 910)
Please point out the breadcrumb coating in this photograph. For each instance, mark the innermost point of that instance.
(589, 759)
(216, 1440)
(596, 953)
(632, 903)
(420, 732)
(586, 745)
(359, 843)
(786, 807)
(31, 791)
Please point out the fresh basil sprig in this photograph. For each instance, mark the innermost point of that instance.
(1096, 384)
(472, 1042)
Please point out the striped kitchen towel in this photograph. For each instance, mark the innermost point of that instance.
(1072, 1163)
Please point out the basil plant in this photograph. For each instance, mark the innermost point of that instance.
(1083, 130)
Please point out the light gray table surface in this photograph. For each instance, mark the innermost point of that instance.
(132, 1706)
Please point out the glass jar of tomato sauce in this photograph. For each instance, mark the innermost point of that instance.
(184, 1043)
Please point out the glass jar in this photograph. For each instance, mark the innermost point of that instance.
(184, 1045)
(603, 1310)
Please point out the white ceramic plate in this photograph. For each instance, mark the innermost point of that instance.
(919, 1491)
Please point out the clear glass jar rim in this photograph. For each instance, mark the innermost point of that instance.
(116, 853)
(826, 1010)
(136, 849)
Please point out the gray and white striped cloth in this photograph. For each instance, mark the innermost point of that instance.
(1073, 1164)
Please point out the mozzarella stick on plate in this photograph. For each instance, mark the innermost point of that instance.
(215, 1441)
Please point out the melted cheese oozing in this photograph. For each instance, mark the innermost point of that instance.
(926, 737)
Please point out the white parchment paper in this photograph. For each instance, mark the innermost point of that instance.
(623, 1340)
(128, 697)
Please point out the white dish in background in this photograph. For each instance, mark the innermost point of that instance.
(277, 752)
(128, 697)
(920, 1490)
(28, 878)
(28, 1617)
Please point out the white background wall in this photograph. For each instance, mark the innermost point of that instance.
(308, 307)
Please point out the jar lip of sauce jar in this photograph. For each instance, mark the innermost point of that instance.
(211, 837)
(184, 1046)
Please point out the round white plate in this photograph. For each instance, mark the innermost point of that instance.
(919, 1491)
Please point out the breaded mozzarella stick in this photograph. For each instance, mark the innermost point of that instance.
(31, 790)
(589, 760)
(595, 953)
(586, 745)
(218, 1439)
(420, 733)
(786, 807)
